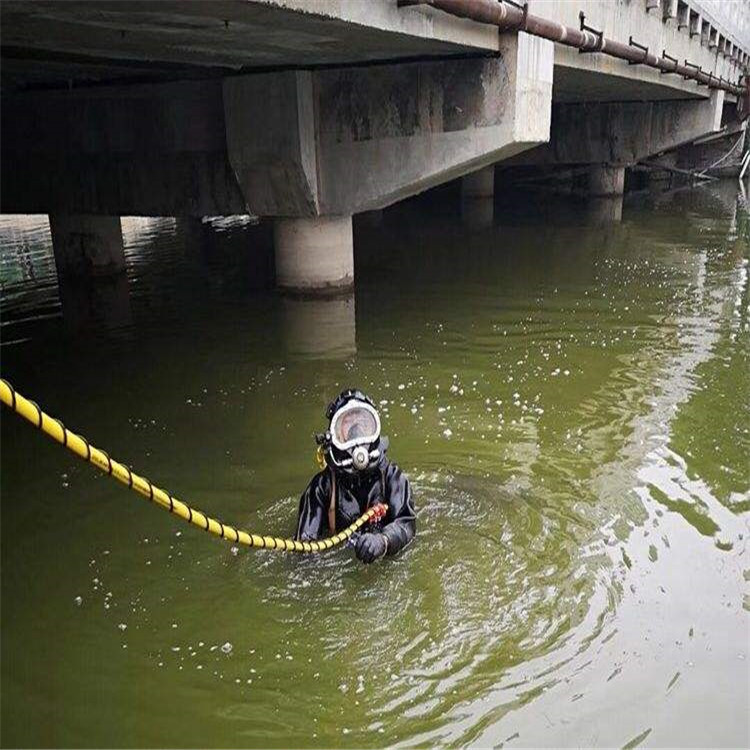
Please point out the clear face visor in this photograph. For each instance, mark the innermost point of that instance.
(355, 423)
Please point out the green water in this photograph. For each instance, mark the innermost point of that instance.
(570, 399)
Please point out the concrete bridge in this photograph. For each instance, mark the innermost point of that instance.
(311, 111)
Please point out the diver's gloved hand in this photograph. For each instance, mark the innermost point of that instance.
(371, 546)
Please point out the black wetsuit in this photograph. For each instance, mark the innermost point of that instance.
(355, 493)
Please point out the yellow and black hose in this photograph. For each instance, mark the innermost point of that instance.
(78, 444)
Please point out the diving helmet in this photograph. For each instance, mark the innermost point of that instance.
(352, 442)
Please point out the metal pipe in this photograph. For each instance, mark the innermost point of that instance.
(509, 16)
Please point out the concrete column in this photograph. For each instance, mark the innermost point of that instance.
(314, 254)
(479, 184)
(478, 198)
(87, 245)
(606, 180)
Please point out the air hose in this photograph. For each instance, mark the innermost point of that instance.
(78, 444)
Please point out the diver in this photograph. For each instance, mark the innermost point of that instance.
(355, 475)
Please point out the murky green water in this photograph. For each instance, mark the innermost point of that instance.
(571, 400)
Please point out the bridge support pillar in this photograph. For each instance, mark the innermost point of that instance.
(314, 254)
(605, 179)
(478, 198)
(87, 245)
(479, 184)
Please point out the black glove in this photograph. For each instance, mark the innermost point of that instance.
(371, 546)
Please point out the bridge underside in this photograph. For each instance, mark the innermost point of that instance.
(210, 108)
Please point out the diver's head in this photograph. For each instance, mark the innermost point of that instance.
(352, 442)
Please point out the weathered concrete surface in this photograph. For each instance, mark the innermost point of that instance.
(731, 18)
(345, 141)
(592, 77)
(314, 254)
(297, 143)
(50, 42)
(605, 180)
(87, 245)
(388, 134)
(625, 133)
(271, 142)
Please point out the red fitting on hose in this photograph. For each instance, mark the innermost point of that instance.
(378, 511)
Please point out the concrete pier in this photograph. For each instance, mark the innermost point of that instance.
(605, 179)
(86, 245)
(479, 184)
(314, 254)
(478, 198)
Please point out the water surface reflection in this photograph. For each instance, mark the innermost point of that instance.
(570, 397)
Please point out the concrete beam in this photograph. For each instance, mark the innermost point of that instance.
(296, 143)
(342, 141)
(626, 133)
(668, 9)
(388, 134)
(587, 78)
(49, 42)
(271, 142)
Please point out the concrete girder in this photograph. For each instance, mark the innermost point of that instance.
(624, 133)
(49, 42)
(592, 77)
(271, 142)
(344, 141)
(301, 143)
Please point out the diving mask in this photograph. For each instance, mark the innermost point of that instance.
(352, 440)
